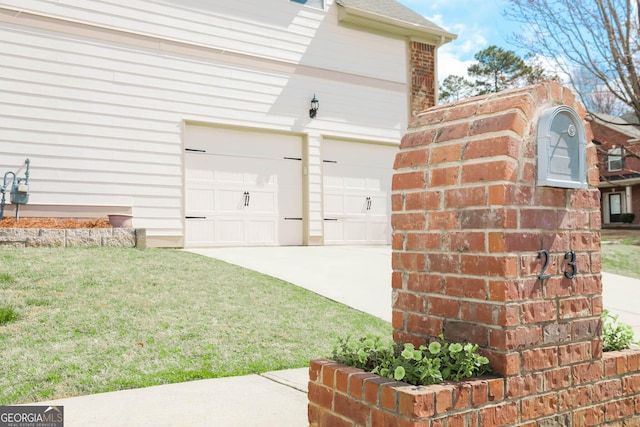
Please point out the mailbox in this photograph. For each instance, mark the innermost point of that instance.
(561, 148)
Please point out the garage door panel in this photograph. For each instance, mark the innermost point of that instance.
(357, 191)
(201, 232)
(243, 183)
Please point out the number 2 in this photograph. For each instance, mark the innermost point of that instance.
(545, 253)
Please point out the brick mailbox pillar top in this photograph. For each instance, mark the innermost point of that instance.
(481, 252)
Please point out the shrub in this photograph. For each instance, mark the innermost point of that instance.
(616, 335)
(627, 218)
(440, 361)
(7, 314)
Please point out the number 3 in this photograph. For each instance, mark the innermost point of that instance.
(571, 256)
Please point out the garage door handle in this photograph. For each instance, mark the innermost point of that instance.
(368, 203)
(331, 219)
(247, 198)
(195, 217)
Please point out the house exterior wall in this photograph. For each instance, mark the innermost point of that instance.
(618, 181)
(97, 95)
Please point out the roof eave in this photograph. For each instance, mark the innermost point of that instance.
(385, 24)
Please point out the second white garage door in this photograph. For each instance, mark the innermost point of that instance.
(357, 192)
(242, 188)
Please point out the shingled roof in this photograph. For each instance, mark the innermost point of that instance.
(391, 16)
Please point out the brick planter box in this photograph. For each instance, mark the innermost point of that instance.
(603, 392)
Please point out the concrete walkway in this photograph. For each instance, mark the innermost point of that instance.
(358, 276)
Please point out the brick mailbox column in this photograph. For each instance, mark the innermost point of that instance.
(481, 252)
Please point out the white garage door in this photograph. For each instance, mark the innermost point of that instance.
(357, 192)
(242, 188)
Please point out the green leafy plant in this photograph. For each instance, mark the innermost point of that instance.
(627, 218)
(7, 314)
(617, 335)
(440, 361)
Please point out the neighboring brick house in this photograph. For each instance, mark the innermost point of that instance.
(618, 142)
(194, 116)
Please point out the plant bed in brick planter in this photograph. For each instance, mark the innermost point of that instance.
(600, 392)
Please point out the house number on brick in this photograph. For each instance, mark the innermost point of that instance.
(569, 273)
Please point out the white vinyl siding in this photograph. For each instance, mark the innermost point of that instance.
(101, 114)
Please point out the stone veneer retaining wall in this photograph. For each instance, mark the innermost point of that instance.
(60, 238)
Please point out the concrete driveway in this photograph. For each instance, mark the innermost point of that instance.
(360, 276)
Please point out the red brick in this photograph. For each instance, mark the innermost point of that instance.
(587, 372)
(574, 307)
(518, 338)
(499, 170)
(396, 280)
(416, 403)
(586, 328)
(552, 197)
(487, 218)
(320, 395)
(466, 287)
(491, 147)
(443, 176)
(423, 200)
(478, 312)
(559, 378)
(574, 353)
(539, 311)
(425, 282)
(507, 121)
(342, 378)
(479, 392)
(465, 241)
(315, 368)
(407, 159)
(499, 415)
(328, 419)
(462, 395)
(487, 266)
(397, 319)
(607, 390)
(452, 132)
(443, 307)
(408, 180)
(514, 290)
(408, 221)
(575, 397)
(445, 154)
(540, 358)
(524, 385)
(426, 326)
(351, 409)
(356, 384)
(465, 197)
(592, 416)
(418, 138)
(619, 409)
(423, 241)
(388, 395)
(539, 406)
(534, 218)
(444, 220)
(372, 389)
(329, 374)
(408, 261)
(445, 263)
(405, 301)
(443, 398)
(461, 331)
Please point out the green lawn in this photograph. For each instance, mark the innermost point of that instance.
(93, 320)
(621, 252)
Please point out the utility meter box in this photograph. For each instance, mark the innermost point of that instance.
(19, 193)
(561, 148)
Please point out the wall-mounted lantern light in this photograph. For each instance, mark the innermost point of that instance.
(315, 105)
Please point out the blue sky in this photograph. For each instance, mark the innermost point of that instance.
(478, 24)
